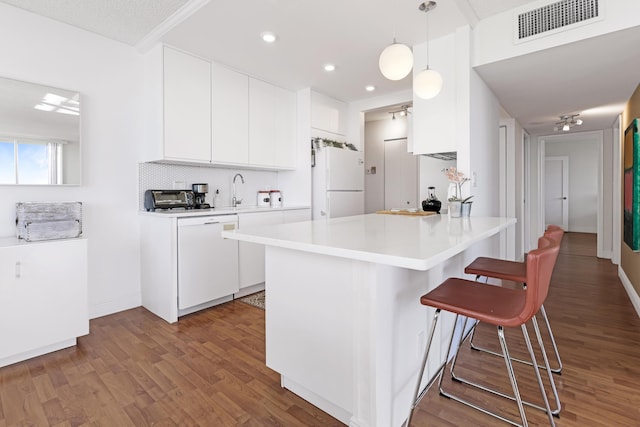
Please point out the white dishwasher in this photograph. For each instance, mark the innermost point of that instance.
(207, 263)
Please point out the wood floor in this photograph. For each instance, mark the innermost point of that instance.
(208, 370)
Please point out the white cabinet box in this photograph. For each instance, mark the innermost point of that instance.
(186, 266)
(229, 115)
(210, 114)
(43, 297)
(272, 125)
(251, 255)
(328, 114)
(187, 107)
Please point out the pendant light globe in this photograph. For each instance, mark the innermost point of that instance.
(396, 61)
(427, 84)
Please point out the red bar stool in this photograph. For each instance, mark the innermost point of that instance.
(501, 307)
(515, 272)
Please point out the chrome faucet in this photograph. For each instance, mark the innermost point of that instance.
(234, 200)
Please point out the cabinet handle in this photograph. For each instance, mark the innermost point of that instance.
(18, 272)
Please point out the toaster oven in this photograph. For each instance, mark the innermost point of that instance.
(169, 199)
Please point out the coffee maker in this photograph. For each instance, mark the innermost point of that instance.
(200, 191)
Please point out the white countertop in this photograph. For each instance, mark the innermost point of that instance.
(226, 210)
(418, 243)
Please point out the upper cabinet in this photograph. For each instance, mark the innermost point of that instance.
(328, 114)
(230, 115)
(187, 107)
(272, 132)
(214, 115)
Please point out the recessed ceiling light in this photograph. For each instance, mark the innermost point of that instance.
(269, 37)
(329, 67)
(370, 88)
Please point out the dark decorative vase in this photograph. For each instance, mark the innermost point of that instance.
(432, 204)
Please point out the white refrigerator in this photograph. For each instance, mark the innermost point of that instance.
(338, 182)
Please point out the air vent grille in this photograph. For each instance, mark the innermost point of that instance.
(556, 15)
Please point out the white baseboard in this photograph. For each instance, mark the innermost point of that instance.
(631, 291)
(124, 302)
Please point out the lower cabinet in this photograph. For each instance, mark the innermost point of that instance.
(43, 297)
(251, 255)
(185, 264)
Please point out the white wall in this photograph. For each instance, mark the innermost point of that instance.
(108, 75)
(482, 154)
(583, 181)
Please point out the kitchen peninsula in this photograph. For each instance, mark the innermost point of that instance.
(344, 325)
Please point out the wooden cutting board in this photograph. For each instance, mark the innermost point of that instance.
(395, 212)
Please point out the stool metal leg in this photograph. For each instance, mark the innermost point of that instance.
(557, 370)
(537, 371)
(558, 407)
(417, 397)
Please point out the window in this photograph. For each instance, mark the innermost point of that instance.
(28, 161)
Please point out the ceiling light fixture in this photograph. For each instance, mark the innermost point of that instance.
(428, 83)
(403, 112)
(396, 60)
(268, 37)
(370, 88)
(329, 67)
(567, 121)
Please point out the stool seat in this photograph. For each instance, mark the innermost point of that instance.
(498, 269)
(487, 303)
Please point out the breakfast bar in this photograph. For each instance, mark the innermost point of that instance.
(344, 325)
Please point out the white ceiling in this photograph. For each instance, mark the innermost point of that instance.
(535, 88)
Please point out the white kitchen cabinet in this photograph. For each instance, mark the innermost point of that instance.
(286, 119)
(296, 215)
(43, 297)
(229, 115)
(262, 119)
(187, 107)
(251, 255)
(191, 252)
(272, 125)
(328, 114)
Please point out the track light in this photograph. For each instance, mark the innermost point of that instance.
(567, 121)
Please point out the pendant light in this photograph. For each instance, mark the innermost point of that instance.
(396, 60)
(428, 83)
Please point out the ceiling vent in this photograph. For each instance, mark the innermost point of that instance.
(555, 16)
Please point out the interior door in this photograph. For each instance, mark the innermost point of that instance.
(556, 190)
(400, 175)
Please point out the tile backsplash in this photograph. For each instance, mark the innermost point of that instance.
(161, 176)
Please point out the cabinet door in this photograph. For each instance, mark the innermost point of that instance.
(229, 115)
(207, 263)
(251, 255)
(187, 107)
(286, 119)
(262, 119)
(296, 215)
(328, 114)
(43, 295)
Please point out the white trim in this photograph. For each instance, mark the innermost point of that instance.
(124, 302)
(617, 192)
(631, 291)
(168, 24)
(600, 250)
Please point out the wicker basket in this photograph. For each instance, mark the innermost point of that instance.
(48, 220)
